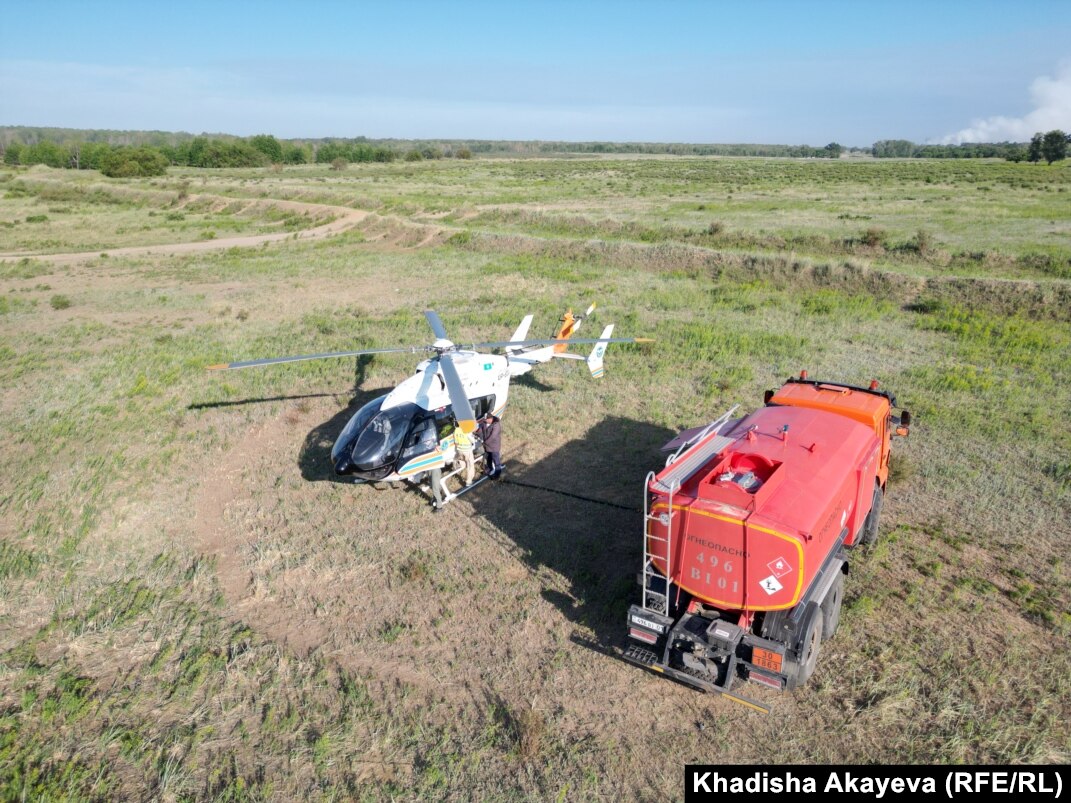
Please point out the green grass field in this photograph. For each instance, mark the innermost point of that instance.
(192, 608)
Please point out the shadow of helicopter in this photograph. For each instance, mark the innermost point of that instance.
(530, 382)
(314, 459)
(578, 512)
(259, 400)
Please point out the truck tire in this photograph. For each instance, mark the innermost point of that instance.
(870, 526)
(810, 646)
(831, 606)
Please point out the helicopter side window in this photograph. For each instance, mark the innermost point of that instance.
(444, 422)
(483, 405)
(422, 438)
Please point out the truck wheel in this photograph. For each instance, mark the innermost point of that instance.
(831, 607)
(870, 526)
(808, 654)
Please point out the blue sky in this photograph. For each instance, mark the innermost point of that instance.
(772, 72)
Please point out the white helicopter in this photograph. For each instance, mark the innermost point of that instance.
(407, 435)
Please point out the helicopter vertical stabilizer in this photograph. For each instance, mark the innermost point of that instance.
(597, 353)
(520, 334)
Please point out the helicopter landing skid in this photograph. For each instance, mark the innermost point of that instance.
(439, 505)
(440, 491)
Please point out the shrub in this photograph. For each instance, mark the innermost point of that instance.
(13, 153)
(873, 237)
(414, 156)
(131, 162)
(216, 153)
(339, 163)
(295, 154)
(46, 153)
(59, 302)
(463, 153)
(923, 242)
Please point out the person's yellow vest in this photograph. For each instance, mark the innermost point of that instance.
(462, 440)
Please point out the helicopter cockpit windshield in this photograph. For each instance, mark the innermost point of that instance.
(372, 440)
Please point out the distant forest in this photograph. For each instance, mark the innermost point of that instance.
(133, 153)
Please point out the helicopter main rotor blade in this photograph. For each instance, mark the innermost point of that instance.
(227, 366)
(459, 399)
(436, 324)
(552, 342)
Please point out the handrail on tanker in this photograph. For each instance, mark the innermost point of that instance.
(693, 462)
(713, 426)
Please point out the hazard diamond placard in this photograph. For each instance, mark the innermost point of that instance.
(779, 567)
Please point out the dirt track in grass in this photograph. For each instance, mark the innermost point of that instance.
(344, 218)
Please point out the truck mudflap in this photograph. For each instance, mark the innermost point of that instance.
(641, 656)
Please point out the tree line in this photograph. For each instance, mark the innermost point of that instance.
(144, 159)
(153, 160)
(148, 153)
(1052, 147)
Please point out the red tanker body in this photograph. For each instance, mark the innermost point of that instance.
(747, 531)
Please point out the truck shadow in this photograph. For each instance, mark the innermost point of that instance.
(578, 512)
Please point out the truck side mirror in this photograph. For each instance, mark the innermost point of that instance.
(905, 418)
(767, 396)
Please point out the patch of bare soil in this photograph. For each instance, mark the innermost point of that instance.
(223, 541)
(395, 234)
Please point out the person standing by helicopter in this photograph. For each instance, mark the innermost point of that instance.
(464, 445)
(491, 435)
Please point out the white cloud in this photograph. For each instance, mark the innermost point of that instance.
(1051, 98)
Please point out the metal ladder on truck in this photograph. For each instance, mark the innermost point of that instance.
(696, 454)
(653, 599)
